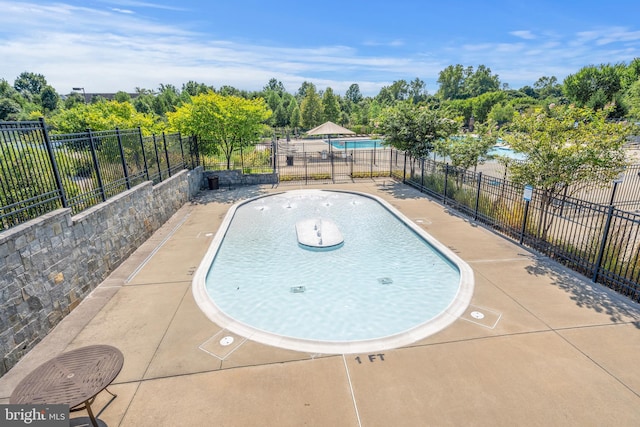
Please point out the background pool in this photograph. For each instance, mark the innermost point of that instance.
(339, 144)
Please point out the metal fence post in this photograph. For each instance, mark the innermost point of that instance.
(603, 244)
(524, 220)
(166, 152)
(181, 148)
(475, 216)
(404, 169)
(96, 165)
(155, 147)
(422, 172)
(446, 182)
(144, 155)
(124, 162)
(54, 164)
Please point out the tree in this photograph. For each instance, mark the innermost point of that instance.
(632, 99)
(457, 82)
(275, 86)
(547, 87)
(294, 116)
(353, 94)
(566, 149)
(594, 86)
(464, 151)
(122, 96)
(30, 85)
(451, 81)
(221, 123)
(192, 88)
(415, 129)
(49, 98)
(501, 114)
(9, 109)
(104, 115)
(330, 106)
(417, 91)
(311, 109)
(482, 104)
(305, 88)
(481, 81)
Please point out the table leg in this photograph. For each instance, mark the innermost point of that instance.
(90, 412)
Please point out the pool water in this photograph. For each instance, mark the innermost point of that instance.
(386, 279)
(498, 150)
(341, 144)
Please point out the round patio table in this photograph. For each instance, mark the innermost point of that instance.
(73, 378)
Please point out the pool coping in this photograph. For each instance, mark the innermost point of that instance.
(454, 310)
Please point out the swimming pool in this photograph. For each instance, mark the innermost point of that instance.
(356, 144)
(500, 150)
(389, 284)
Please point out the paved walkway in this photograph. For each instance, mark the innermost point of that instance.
(552, 350)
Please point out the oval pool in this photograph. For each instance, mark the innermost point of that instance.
(388, 284)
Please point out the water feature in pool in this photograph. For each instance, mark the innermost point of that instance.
(388, 284)
(351, 144)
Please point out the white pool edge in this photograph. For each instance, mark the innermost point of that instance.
(455, 309)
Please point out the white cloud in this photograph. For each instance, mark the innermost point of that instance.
(523, 34)
(126, 11)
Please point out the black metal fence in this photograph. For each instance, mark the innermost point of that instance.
(599, 241)
(41, 172)
(624, 192)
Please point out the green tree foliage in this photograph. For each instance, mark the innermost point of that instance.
(595, 86)
(30, 85)
(221, 123)
(417, 91)
(104, 115)
(9, 109)
(122, 96)
(483, 104)
(566, 149)
(481, 81)
(451, 81)
(294, 115)
(464, 151)
(390, 95)
(305, 87)
(353, 94)
(330, 106)
(501, 114)
(311, 109)
(192, 88)
(276, 86)
(416, 129)
(457, 82)
(632, 99)
(547, 87)
(49, 98)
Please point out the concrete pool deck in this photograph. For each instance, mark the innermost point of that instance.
(551, 349)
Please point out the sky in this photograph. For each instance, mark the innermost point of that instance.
(112, 45)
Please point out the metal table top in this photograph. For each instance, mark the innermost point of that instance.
(71, 378)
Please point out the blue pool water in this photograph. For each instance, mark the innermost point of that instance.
(369, 144)
(386, 280)
(498, 150)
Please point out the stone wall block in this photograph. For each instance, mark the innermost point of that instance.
(50, 264)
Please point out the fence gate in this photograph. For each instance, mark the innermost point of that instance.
(342, 162)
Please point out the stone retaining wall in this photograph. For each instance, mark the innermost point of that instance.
(235, 178)
(48, 265)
